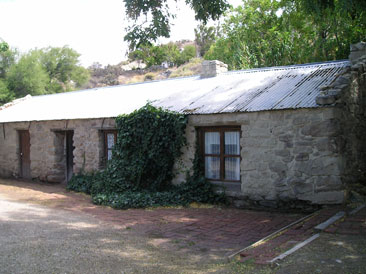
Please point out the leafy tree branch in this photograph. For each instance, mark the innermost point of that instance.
(157, 18)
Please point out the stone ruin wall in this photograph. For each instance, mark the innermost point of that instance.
(47, 147)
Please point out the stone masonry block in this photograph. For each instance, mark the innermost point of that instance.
(321, 129)
(328, 183)
(302, 157)
(328, 197)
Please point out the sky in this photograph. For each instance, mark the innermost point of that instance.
(94, 28)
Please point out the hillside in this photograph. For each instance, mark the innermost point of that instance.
(128, 73)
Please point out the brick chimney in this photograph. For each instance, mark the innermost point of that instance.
(212, 68)
(357, 51)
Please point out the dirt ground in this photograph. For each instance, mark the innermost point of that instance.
(211, 231)
(45, 229)
(36, 239)
(331, 253)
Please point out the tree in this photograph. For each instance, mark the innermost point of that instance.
(254, 35)
(40, 71)
(339, 24)
(157, 14)
(3, 46)
(63, 69)
(204, 38)
(5, 94)
(7, 59)
(171, 54)
(353, 8)
(187, 54)
(28, 76)
(273, 33)
(150, 54)
(44, 71)
(156, 55)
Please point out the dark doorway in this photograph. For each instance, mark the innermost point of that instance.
(69, 154)
(24, 154)
(64, 156)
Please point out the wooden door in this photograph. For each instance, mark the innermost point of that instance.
(24, 151)
(69, 154)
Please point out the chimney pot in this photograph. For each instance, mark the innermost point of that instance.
(211, 68)
(357, 51)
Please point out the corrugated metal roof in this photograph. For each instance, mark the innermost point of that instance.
(238, 91)
(260, 89)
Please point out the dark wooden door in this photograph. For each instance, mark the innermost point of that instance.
(69, 154)
(24, 150)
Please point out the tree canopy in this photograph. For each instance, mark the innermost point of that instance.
(7, 59)
(169, 53)
(27, 76)
(204, 37)
(39, 71)
(62, 66)
(157, 18)
(271, 33)
(3, 46)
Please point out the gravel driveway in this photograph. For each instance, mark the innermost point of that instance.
(37, 239)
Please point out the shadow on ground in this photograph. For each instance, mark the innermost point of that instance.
(210, 232)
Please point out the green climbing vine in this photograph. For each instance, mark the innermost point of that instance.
(140, 172)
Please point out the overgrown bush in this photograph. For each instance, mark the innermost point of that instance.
(141, 170)
(191, 191)
(81, 183)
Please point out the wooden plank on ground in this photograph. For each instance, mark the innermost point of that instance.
(296, 247)
(263, 240)
(331, 220)
(357, 209)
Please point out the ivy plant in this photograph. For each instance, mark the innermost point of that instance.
(139, 175)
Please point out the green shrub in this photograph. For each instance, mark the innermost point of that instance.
(130, 199)
(192, 191)
(81, 183)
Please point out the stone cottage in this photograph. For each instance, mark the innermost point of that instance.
(269, 135)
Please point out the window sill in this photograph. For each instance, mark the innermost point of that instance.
(232, 189)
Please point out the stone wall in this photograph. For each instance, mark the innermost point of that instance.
(47, 147)
(348, 94)
(9, 149)
(286, 155)
(353, 115)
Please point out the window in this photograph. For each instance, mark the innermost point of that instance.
(220, 148)
(110, 138)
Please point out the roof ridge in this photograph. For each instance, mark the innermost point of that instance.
(295, 66)
(16, 101)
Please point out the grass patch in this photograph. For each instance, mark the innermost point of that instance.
(189, 69)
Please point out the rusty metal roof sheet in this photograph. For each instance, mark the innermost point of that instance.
(276, 88)
(288, 87)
